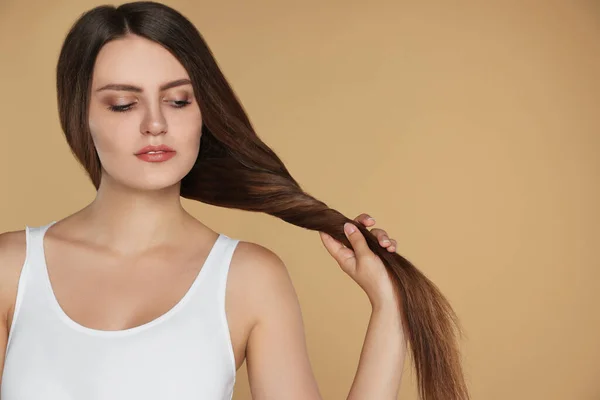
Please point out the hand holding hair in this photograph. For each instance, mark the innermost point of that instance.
(362, 265)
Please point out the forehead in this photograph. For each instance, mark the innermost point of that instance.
(136, 60)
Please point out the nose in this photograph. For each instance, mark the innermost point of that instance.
(154, 123)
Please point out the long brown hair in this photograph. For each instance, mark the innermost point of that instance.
(236, 169)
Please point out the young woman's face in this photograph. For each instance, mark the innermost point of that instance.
(141, 95)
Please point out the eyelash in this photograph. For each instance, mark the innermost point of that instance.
(126, 107)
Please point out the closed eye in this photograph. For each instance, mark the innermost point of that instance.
(127, 107)
(122, 108)
(181, 103)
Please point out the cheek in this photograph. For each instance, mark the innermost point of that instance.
(186, 134)
(110, 138)
(193, 139)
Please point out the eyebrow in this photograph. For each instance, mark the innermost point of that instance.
(132, 88)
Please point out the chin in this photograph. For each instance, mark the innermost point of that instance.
(147, 181)
(155, 181)
(154, 185)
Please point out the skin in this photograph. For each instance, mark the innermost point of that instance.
(138, 242)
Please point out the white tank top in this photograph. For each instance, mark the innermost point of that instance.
(184, 354)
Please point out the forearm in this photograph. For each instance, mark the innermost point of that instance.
(382, 358)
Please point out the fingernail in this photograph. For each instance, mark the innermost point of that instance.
(386, 241)
(371, 218)
(349, 228)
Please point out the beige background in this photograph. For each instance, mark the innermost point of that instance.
(469, 131)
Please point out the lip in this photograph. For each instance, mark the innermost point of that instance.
(161, 147)
(156, 157)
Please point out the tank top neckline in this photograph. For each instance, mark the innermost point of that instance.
(129, 331)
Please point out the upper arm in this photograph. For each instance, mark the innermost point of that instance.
(277, 357)
(12, 257)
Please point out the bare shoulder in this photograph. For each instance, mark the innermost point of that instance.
(261, 271)
(257, 278)
(12, 258)
(258, 263)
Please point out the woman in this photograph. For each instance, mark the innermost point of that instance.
(132, 297)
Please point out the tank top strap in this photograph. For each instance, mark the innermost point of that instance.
(30, 284)
(229, 247)
(34, 238)
(216, 268)
(35, 258)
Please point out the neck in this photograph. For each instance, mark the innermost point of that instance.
(132, 220)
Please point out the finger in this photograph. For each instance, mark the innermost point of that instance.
(333, 246)
(357, 240)
(382, 237)
(365, 219)
(393, 246)
(344, 256)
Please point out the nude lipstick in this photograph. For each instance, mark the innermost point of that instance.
(155, 153)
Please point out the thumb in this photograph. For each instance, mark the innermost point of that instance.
(357, 240)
